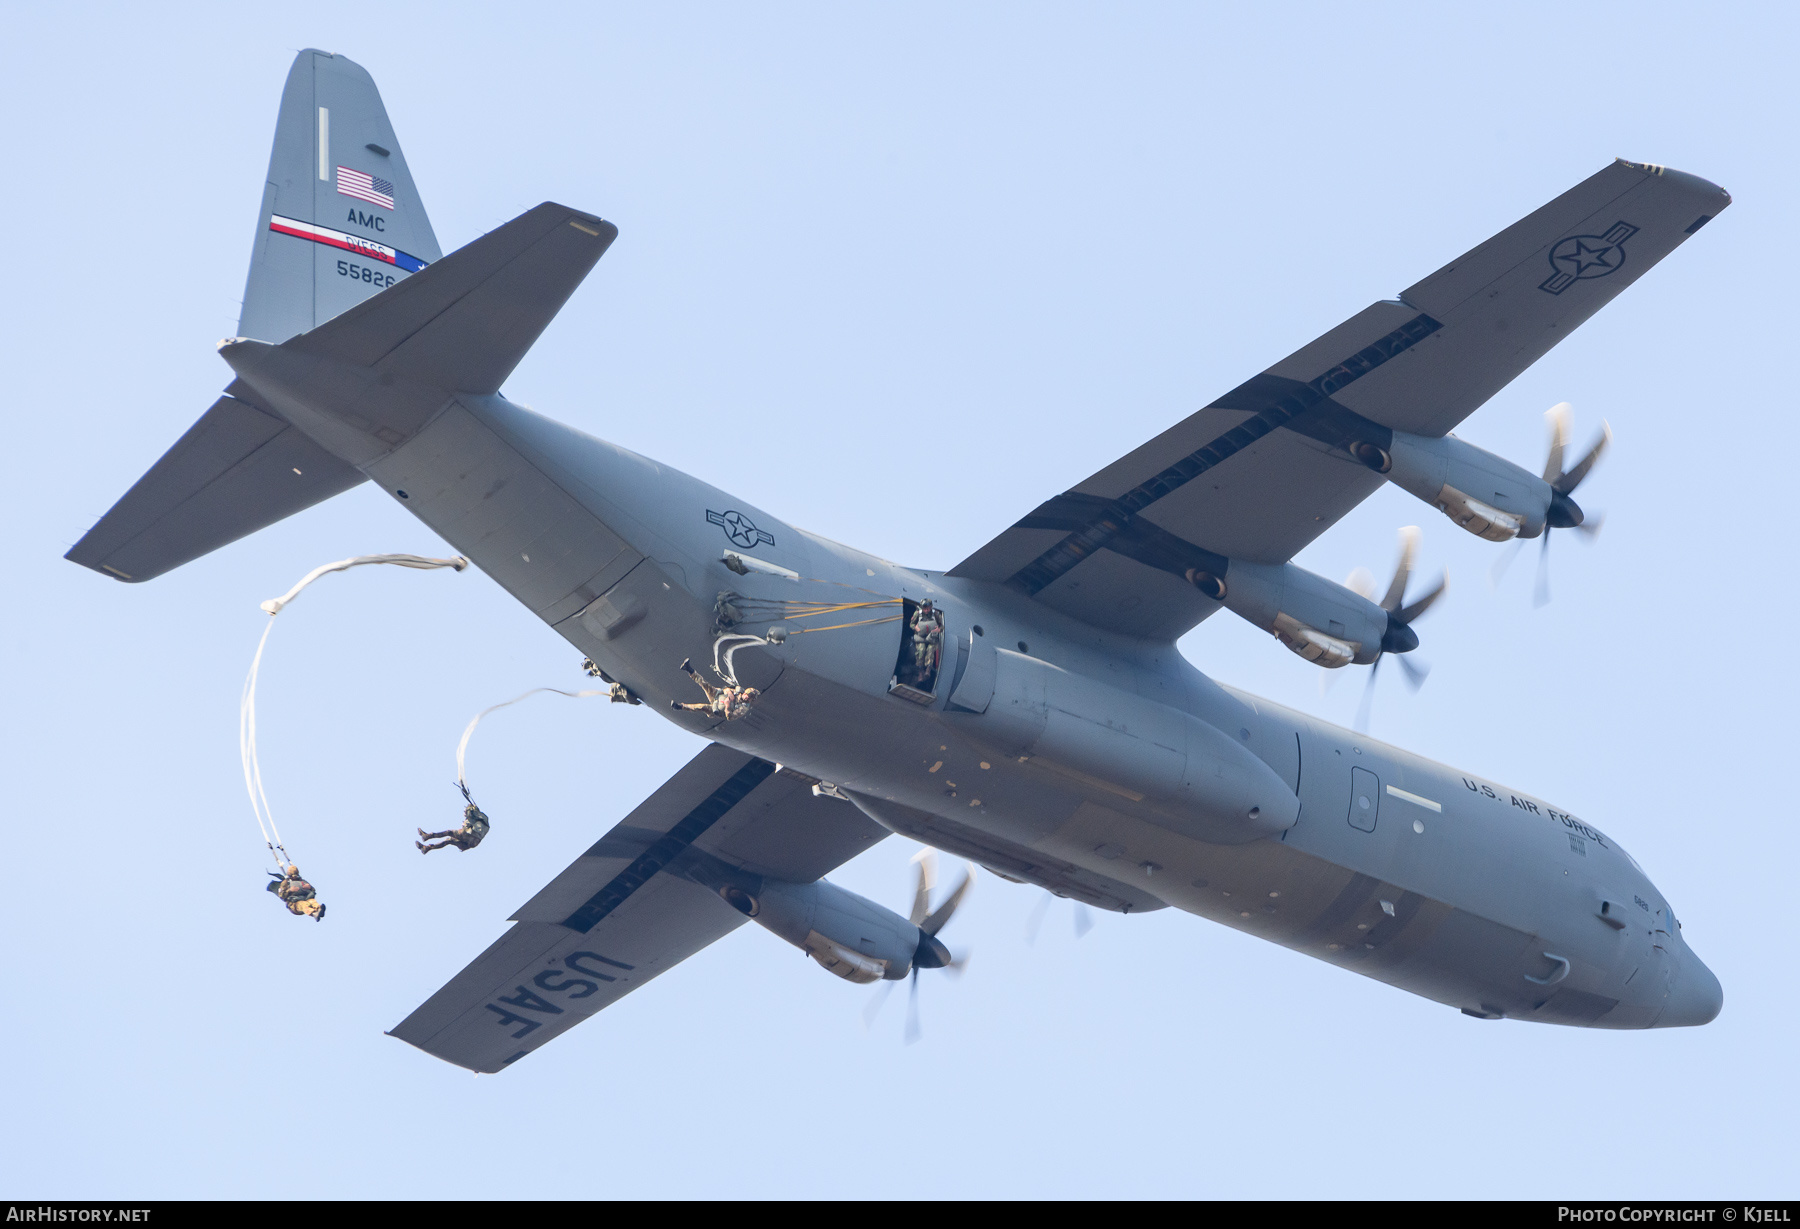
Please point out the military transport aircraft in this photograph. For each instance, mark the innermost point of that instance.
(1026, 710)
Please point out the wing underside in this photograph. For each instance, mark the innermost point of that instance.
(638, 902)
(1265, 469)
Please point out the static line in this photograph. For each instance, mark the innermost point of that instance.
(253, 782)
(462, 748)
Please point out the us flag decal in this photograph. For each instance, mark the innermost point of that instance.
(365, 187)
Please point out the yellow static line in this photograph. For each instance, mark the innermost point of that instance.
(801, 631)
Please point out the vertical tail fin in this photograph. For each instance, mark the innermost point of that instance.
(341, 219)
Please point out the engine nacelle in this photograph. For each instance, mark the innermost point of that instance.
(848, 935)
(1487, 495)
(1324, 622)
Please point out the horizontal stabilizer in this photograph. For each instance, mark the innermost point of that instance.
(464, 323)
(235, 471)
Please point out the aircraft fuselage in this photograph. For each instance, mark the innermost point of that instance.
(1439, 882)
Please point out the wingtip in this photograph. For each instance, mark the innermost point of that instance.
(585, 222)
(1681, 177)
(82, 558)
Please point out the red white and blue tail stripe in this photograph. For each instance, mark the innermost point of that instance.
(350, 243)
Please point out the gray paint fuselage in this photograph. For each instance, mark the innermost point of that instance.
(1494, 901)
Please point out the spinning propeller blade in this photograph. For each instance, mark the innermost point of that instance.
(926, 861)
(1564, 512)
(1035, 919)
(913, 1031)
(1083, 917)
(1564, 482)
(1412, 610)
(1557, 418)
(1540, 593)
(934, 921)
(1505, 561)
(1409, 549)
(876, 1002)
(1400, 638)
(1368, 696)
(931, 953)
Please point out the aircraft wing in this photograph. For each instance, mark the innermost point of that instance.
(641, 900)
(1265, 469)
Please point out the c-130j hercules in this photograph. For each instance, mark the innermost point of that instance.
(1052, 733)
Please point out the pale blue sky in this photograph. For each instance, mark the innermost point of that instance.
(979, 232)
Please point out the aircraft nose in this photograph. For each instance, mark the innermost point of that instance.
(1696, 998)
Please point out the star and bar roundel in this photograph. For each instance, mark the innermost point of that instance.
(1580, 257)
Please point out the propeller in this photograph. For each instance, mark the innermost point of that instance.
(1084, 918)
(1564, 512)
(931, 952)
(1399, 638)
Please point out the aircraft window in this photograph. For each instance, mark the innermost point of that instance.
(1365, 799)
(1023, 647)
(977, 630)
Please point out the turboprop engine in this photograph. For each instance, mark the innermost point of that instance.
(1324, 622)
(1328, 624)
(850, 935)
(1485, 494)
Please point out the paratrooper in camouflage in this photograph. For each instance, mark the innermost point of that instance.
(927, 643)
(728, 702)
(474, 827)
(726, 613)
(297, 894)
(616, 691)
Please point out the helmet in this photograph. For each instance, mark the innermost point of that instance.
(293, 871)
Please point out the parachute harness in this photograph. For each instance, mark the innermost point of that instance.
(253, 782)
